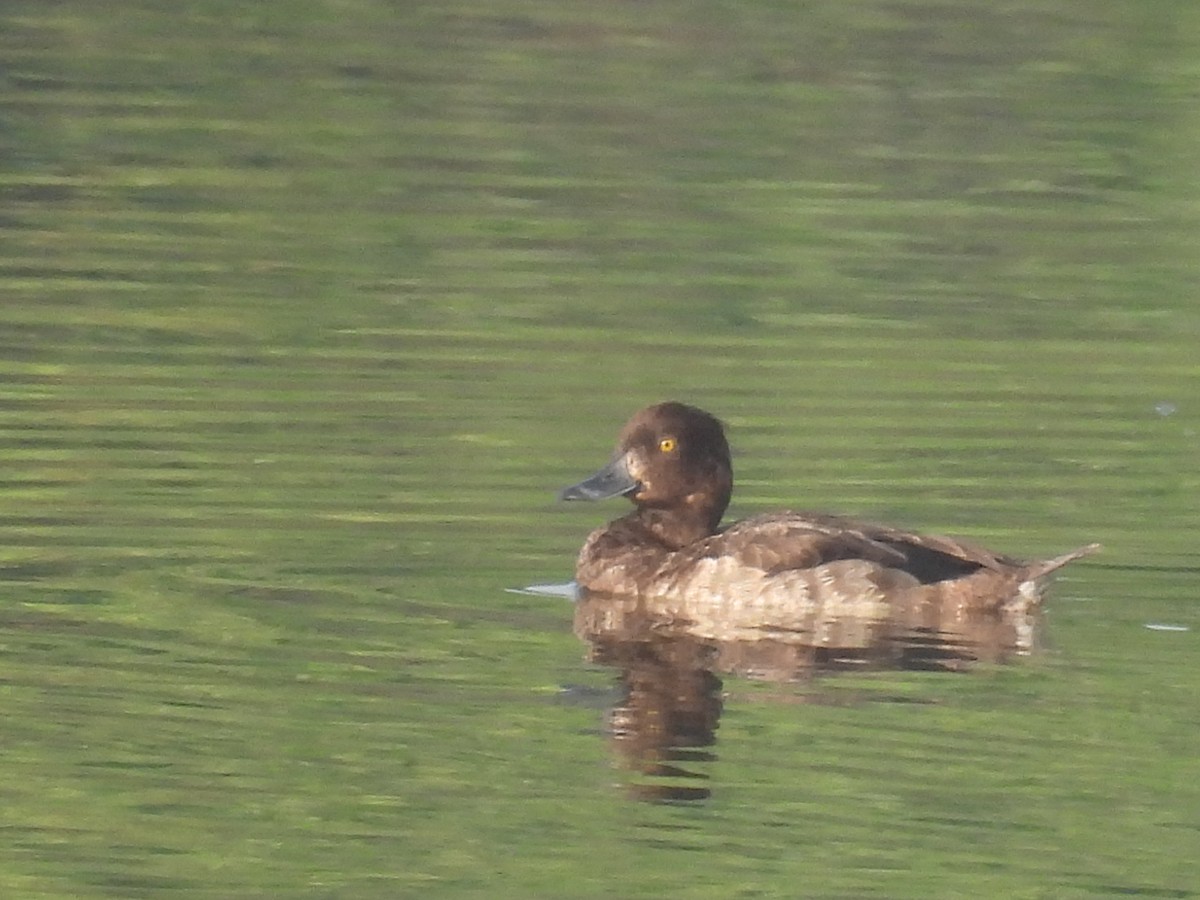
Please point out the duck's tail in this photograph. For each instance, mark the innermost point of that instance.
(1046, 566)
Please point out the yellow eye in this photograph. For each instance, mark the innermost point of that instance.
(667, 445)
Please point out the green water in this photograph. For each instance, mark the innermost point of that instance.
(308, 308)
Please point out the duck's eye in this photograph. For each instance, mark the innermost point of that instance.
(667, 445)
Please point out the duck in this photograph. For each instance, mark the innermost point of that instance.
(781, 574)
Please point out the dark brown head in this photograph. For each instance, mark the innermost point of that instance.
(673, 461)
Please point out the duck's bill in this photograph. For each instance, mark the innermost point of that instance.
(611, 481)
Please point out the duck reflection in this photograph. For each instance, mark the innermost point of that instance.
(668, 712)
(665, 722)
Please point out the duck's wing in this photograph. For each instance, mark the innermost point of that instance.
(799, 540)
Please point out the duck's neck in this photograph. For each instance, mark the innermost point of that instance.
(676, 528)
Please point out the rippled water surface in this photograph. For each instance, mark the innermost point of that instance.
(309, 308)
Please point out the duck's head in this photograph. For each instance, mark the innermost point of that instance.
(672, 458)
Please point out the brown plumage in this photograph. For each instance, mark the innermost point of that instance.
(807, 575)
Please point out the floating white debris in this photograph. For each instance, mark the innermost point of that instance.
(1162, 626)
(568, 590)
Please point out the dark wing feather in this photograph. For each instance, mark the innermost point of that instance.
(796, 540)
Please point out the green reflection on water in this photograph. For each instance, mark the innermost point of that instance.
(309, 309)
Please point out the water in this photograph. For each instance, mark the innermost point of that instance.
(309, 311)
